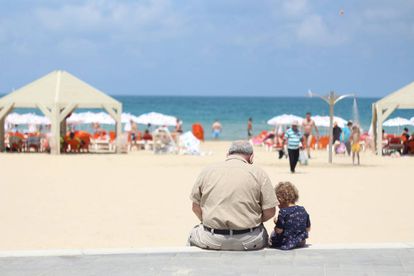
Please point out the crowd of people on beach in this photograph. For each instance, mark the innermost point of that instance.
(298, 139)
(294, 141)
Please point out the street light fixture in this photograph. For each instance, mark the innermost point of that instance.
(331, 98)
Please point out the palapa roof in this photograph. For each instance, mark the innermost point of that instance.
(403, 98)
(58, 88)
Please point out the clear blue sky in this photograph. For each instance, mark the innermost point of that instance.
(211, 47)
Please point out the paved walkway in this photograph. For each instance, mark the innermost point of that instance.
(391, 261)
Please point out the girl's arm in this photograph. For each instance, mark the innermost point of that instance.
(279, 225)
(278, 230)
(308, 224)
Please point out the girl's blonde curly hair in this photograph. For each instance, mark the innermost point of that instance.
(286, 193)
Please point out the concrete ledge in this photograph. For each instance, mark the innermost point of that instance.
(177, 250)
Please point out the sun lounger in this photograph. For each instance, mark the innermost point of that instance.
(163, 141)
(33, 142)
(101, 145)
(410, 146)
(15, 143)
(394, 145)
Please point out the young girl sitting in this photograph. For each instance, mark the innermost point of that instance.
(292, 223)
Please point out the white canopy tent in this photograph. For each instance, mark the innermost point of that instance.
(57, 95)
(382, 109)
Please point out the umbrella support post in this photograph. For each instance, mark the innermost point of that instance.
(2, 134)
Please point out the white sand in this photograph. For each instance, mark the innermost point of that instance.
(141, 199)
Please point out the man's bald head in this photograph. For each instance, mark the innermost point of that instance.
(243, 148)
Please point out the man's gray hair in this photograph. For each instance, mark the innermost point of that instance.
(241, 147)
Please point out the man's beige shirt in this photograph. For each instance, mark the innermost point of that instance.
(232, 194)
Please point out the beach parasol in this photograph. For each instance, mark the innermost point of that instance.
(285, 119)
(26, 119)
(91, 117)
(397, 122)
(157, 119)
(323, 121)
(128, 117)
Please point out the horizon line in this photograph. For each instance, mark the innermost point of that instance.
(214, 96)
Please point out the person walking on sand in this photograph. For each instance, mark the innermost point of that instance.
(216, 129)
(356, 147)
(293, 137)
(307, 127)
(249, 128)
(232, 199)
(346, 137)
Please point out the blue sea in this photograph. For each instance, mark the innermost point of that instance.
(233, 112)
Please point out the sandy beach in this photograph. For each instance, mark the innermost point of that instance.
(142, 200)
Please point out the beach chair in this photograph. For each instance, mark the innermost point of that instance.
(189, 144)
(84, 139)
(163, 141)
(33, 142)
(410, 146)
(394, 145)
(323, 142)
(15, 143)
(71, 145)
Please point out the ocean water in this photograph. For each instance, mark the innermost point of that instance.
(233, 112)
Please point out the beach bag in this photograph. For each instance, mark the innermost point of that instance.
(341, 148)
(303, 157)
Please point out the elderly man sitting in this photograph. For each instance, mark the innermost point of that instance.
(232, 199)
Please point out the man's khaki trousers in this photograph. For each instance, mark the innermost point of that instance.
(254, 240)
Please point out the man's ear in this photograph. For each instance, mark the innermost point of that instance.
(251, 159)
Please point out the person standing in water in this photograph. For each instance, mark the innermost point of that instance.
(307, 127)
(249, 128)
(216, 129)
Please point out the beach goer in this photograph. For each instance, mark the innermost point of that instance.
(356, 147)
(216, 129)
(336, 136)
(249, 128)
(179, 126)
(346, 137)
(293, 222)
(134, 130)
(293, 137)
(147, 136)
(232, 199)
(307, 127)
(336, 132)
(405, 135)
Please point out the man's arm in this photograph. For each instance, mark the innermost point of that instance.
(268, 214)
(197, 211)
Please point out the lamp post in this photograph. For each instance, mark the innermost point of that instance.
(331, 98)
